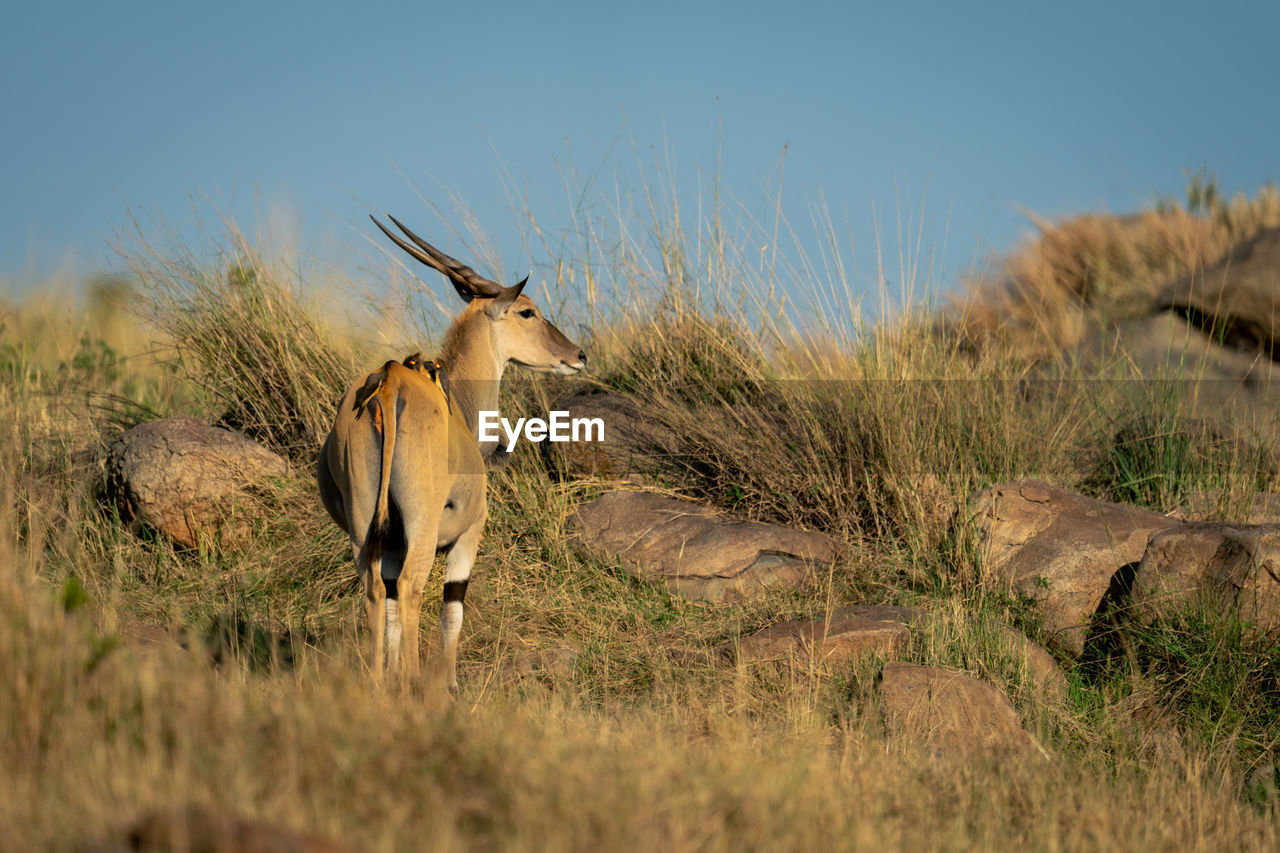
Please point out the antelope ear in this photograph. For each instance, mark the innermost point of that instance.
(499, 304)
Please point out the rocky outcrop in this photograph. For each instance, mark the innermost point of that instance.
(1059, 548)
(955, 716)
(1234, 571)
(697, 553)
(1166, 345)
(189, 481)
(1217, 330)
(1236, 300)
(818, 642)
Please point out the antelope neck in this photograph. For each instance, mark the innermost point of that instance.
(475, 369)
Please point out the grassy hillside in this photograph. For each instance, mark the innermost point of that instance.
(872, 434)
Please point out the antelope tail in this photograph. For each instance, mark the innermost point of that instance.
(380, 526)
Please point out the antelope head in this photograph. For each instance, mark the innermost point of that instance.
(520, 334)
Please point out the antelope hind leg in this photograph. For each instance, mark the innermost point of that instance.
(457, 572)
(375, 607)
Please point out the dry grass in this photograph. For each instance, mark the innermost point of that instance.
(242, 331)
(101, 732)
(873, 435)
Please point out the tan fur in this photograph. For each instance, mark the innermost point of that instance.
(409, 481)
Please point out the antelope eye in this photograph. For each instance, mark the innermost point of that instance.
(527, 313)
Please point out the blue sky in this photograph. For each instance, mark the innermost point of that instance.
(314, 114)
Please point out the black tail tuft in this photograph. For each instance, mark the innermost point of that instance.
(375, 544)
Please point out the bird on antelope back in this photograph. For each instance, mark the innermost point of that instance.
(402, 472)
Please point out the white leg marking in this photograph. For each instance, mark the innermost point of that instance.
(457, 567)
(457, 570)
(393, 632)
(451, 622)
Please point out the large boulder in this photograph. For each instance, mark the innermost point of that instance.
(1060, 549)
(1234, 570)
(190, 481)
(1237, 300)
(1167, 345)
(956, 716)
(696, 552)
(1217, 328)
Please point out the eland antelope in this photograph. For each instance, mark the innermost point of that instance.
(402, 471)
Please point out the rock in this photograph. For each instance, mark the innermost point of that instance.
(1216, 330)
(188, 480)
(633, 444)
(1040, 665)
(1060, 549)
(820, 641)
(1237, 300)
(1165, 345)
(1234, 570)
(698, 554)
(955, 715)
(196, 830)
